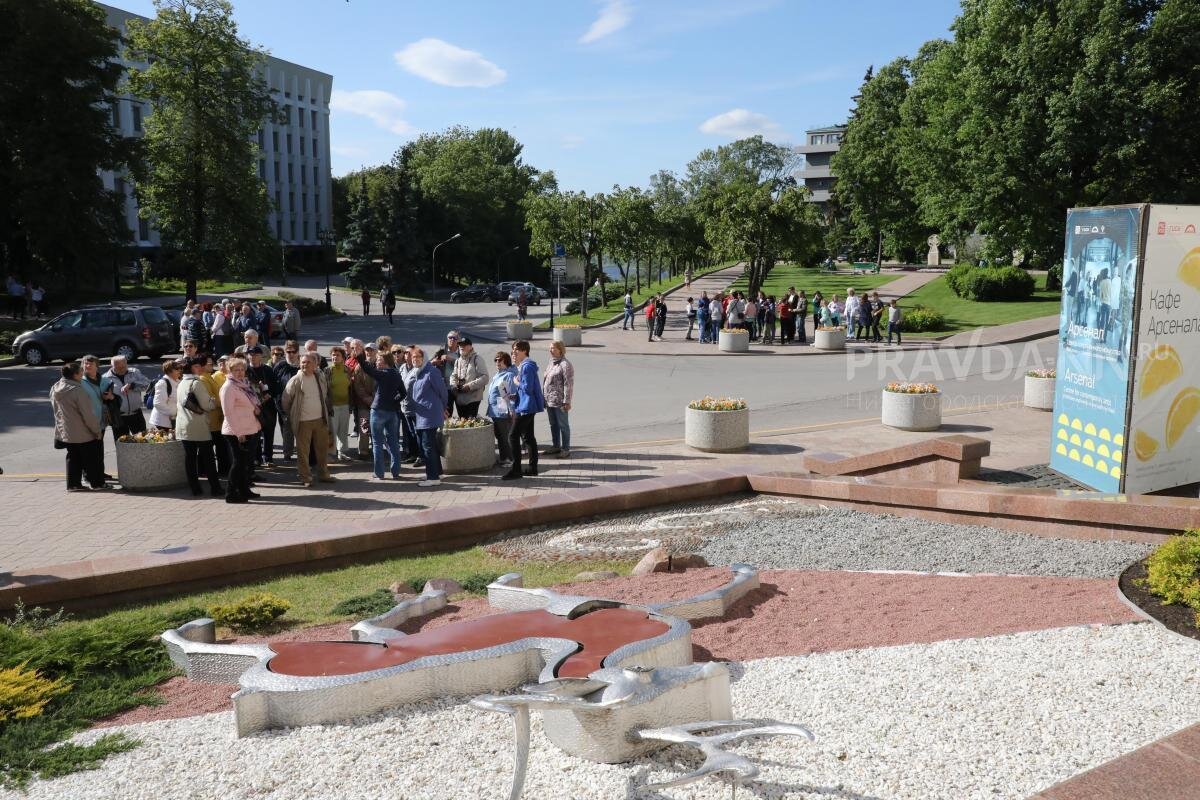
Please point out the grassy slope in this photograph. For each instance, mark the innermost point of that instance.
(965, 315)
(597, 316)
(812, 280)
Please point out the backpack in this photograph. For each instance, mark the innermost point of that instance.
(148, 399)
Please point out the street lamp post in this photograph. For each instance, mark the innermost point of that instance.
(325, 236)
(433, 262)
(500, 257)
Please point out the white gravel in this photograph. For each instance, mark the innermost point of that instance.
(1000, 717)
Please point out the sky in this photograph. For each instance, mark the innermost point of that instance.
(602, 92)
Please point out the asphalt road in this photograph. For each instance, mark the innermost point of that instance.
(619, 399)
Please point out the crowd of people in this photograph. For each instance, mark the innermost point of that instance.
(25, 299)
(374, 401)
(768, 319)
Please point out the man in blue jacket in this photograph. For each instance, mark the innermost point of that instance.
(529, 402)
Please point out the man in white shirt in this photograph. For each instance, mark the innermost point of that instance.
(851, 313)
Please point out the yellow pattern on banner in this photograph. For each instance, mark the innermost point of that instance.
(1066, 434)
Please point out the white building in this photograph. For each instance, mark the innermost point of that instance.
(294, 158)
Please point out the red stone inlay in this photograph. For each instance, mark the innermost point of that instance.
(598, 633)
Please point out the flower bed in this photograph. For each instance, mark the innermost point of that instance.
(1039, 389)
(829, 339)
(518, 329)
(569, 335)
(150, 462)
(467, 445)
(733, 340)
(912, 406)
(717, 424)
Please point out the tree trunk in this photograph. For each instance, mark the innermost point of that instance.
(637, 274)
(583, 305)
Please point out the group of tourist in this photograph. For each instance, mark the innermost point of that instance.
(216, 326)
(225, 407)
(764, 316)
(25, 299)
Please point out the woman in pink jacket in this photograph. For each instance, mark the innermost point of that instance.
(558, 386)
(240, 404)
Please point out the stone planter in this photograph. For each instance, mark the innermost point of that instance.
(717, 431)
(912, 412)
(732, 341)
(1039, 393)
(143, 467)
(467, 449)
(570, 337)
(519, 330)
(834, 339)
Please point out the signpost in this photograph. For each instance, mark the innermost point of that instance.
(1127, 394)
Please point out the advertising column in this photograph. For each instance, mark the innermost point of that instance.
(1100, 277)
(1164, 435)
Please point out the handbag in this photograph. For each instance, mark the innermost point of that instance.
(59, 444)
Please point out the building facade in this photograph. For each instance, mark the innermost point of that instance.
(293, 158)
(819, 146)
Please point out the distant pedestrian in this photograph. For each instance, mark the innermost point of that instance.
(650, 319)
(387, 300)
(77, 429)
(558, 389)
(703, 318)
(522, 304)
(627, 303)
(660, 317)
(691, 318)
(366, 300)
(687, 279)
(291, 321)
(38, 296)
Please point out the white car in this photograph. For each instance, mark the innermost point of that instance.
(532, 293)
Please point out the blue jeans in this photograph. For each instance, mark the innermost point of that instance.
(385, 440)
(628, 319)
(427, 438)
(560, 427)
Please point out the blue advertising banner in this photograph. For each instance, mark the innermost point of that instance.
(1100, 266)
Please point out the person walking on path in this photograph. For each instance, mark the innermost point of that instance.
(862, 325)
(501, 388)
(558, 388)
(429, 397)
(191, 427)
(306, 401)
(877, 310)
(468, 378)
(627, 304)
(529, 403)
(128, 386)
(387, 301)
(660, 317)
(895, 320)
(385, 411)
(650, 307)
(77, 429)
(240, 405)
(366, 300)
(291, 321)
(522, 305)
(337, 377)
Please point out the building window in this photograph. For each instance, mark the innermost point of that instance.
(303, 176)
(262, 169)
(287, 95)
(301, 145)
(315, 175)
(143, 229)
(306, 230)
(289, 144)
(300, 98)
(116, 113)
(292, 226)
(314, 152)
(262, 139)
(314, 120)
(275, 141)
(277, 172)
(304, 204)
(300, 117)
(317, 202)
(291, 174)
(137, 116)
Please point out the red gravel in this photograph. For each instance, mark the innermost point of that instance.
(793, 613)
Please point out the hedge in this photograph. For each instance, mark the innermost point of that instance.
(990, 284)
(921, 319)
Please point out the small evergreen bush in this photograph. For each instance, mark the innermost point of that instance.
(24, 693)
(251, 613)
(364, 606)
(921, 319)
(477, 583)
(1173, 572)
(990, 284)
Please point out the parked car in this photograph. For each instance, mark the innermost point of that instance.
(479, 293)
(128, 329)
(175, 315)
(532, 293)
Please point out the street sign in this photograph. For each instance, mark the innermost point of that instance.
(560, 250)
(558, 262)
(558, 272)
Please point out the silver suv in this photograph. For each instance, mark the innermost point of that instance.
(127, 329)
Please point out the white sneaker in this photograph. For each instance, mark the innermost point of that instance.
(376, 479)
(427, 484)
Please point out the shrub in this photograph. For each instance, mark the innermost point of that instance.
(24, 693)
(594, 299)
(417, 584)
(1040, 373)
(307, 306)
(365, 605)
(36, 618)
(990, 284)
(251, 613)
(1054, 277)
(922, 319)
(1173, 570)
(466, 422)
(477, 583)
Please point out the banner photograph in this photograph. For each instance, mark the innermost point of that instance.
(1095, 336)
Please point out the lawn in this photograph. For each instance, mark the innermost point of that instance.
(813, 280)
(57, 677)
(160, 287)
(965, 315)
(613, 306)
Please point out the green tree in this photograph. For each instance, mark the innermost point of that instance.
(362, 241)
(628, 230)
(574, 219)
(401, 209)
(868, 165)
(57, 59)
(199, 183)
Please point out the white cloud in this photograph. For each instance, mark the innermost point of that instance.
(447, 65)
(614, 15)
(570, 141)
(383, 108)
(738, 123)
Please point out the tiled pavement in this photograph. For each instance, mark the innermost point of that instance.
(44, 525)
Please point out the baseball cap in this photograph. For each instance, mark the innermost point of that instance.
(370, 346)
(465, 340)
(252, 350)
